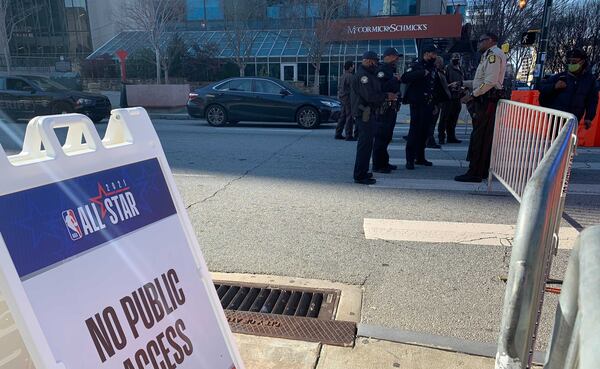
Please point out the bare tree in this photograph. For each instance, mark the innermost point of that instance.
(575, 27)
(508, 21)
(154, 17)
(239, 15)
(10, 18)
(324, 29)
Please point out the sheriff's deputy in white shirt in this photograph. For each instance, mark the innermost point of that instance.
(486, 90)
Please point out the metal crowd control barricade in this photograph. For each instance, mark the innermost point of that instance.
(536, 236)
(576, 336)
(523, 135)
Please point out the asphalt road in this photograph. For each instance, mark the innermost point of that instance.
(276, 199)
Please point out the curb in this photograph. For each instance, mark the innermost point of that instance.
(170, 116)
(436, 342)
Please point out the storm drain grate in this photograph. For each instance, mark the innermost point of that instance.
(278, 311)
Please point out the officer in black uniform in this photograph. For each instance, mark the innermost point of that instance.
(422, 82)
(388, 113)
(366, 98)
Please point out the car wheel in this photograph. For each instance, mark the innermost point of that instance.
(216, 115)
(308, 117)
(62, 108)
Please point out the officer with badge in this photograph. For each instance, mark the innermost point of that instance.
(487, 90)
(366, 97)
(390, 83)
(422, 82)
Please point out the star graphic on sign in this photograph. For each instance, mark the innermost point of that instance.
(102, 194)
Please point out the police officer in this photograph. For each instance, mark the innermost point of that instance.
(390, 82)
(421, 80)
(486, 91)
(366, 98)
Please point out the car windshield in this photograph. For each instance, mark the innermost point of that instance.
(46, 84)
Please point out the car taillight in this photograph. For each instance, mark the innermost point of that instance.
(192, 95)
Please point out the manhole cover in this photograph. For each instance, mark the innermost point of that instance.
(284, 312)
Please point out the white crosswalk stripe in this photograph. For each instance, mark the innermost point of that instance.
(465, 164)
(401, 147)
(451, 185)
(452, 232)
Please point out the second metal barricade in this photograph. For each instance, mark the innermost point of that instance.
(523, 135)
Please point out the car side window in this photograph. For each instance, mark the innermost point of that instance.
(267, 87)
(14, 84)
(223, 86)
(240, 85)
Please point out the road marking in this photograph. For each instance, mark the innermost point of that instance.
(452, 232)
(465, 164)
(444, 148)
(451, 185)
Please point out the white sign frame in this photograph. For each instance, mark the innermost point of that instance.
(130, 138)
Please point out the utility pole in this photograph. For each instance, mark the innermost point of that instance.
(538, 73)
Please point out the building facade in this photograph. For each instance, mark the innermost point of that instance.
(278, 45)
(50, 31)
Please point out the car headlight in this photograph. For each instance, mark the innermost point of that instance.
(85, 102)
(330, 104)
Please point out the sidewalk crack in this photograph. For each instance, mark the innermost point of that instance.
(224, 187)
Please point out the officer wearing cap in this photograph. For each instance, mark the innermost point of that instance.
(487, 90)
(390, 83)
(366, 97)
(422, 82)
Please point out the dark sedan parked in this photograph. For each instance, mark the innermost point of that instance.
(24, 97)
(260, 99)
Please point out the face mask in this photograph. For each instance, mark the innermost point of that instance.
(574, 68)
(430, 62)
(455, 61)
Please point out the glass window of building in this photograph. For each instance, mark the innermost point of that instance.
(357, 8)
(403, 7)
(195, 10)
(214, 9)
(379, 7)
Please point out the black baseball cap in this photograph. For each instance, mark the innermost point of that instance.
(390, 51)
(577, 54)
(370, 55)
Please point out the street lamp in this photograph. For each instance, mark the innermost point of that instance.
(541, 59)
(522, 4)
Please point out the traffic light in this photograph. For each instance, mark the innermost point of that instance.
(522, 4)
(528, 38)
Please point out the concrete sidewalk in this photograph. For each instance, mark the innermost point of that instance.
(367, 353)
(374, 347)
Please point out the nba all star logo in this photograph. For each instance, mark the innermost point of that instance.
(114, 204)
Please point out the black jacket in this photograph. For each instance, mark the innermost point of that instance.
(366, 91)
(389, 83)
(455, 74)
(421, 86)
(579, 98)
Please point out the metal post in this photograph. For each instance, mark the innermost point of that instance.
(543, 49)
